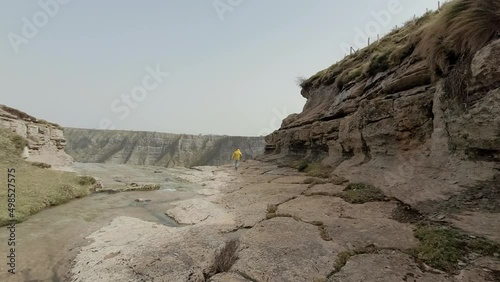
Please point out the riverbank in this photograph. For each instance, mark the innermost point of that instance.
(287, 227)
(48, 241)
(30, 187)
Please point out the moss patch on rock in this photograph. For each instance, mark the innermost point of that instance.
(444, 247)
(360, 193)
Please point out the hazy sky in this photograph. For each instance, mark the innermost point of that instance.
(231, 64)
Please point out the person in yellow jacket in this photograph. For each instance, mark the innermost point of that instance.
(237, 155)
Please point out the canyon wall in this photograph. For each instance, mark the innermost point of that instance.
(159, 149)
(419, 139)
(45, 140)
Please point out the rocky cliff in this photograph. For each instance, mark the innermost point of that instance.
(153, 148)
(417, 114)
(45, 140)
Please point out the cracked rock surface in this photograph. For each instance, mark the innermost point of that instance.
(287, 231)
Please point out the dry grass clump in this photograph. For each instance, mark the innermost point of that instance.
(380, 56)
(442, 38)
(44, 122)
(41, 165)
(18, 141)
(461, 29)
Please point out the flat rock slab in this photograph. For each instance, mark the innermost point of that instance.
(248, 205)
(285, 171)
(130, 249)
(283, 249)
(228, 277)
(203, 211)
(380, 232)
(324, 189)
(480, 223)
(474, 274)
(325, 208)
(263, 194)
(291, 179)
(353, 226)
(386, 266)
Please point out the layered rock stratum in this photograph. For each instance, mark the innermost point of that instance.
(402, 129)
(158, 149)
(45, 140)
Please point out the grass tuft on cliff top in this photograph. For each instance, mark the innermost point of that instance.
(441, 38)
(36, 187)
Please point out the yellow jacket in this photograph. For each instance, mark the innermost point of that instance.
(237, 155)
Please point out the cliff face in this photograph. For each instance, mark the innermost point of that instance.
(45, 140)
(160, 149)
(418, 138)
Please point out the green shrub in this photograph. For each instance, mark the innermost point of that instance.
(444, 247)
(360, 193)
(318, 170)
(41, 165)
(86, 180)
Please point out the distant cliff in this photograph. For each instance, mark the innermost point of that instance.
(153, 148)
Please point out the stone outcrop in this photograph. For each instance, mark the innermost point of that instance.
(46, 140)
(418, 139)
(159, 149)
